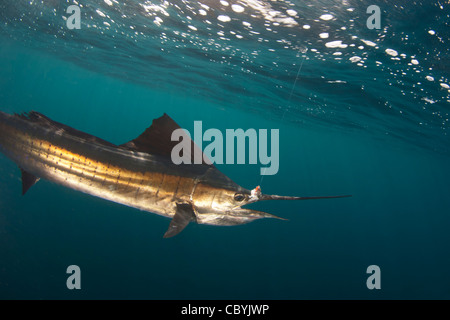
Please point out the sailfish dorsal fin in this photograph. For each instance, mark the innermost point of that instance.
(157, 139)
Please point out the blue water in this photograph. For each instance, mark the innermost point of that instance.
(366, 116)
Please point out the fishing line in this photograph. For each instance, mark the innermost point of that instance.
(295, 82)
(304, 51)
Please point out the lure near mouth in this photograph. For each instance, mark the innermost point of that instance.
(256, 195)
(276, 197)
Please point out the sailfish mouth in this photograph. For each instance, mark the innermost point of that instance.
(252, 214)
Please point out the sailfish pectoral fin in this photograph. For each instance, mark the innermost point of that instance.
(184, 214)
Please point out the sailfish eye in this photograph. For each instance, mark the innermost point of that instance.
(239, 197)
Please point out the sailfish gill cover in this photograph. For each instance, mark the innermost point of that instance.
(360, 109)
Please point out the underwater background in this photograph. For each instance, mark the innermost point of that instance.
(360, 111)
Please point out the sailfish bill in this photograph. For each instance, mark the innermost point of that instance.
(139, 173)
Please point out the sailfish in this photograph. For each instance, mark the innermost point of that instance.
(138, 174)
